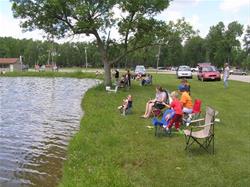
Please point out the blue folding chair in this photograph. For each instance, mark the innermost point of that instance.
(160, 126)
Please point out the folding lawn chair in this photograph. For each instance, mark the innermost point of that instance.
(204, 137)
(195, 113)
(161, 125)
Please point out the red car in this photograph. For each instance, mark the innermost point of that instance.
(208, 73)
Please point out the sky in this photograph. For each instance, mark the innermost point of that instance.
(201, 14)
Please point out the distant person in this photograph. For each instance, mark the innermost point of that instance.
(127, 103)
(128, 77)
(117, 74)
(226, 75)
(147, 80)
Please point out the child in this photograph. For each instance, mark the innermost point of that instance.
(187, 86)
(127, 103)
(177, 107)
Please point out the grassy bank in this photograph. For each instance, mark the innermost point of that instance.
(76, 74)
(113, 150)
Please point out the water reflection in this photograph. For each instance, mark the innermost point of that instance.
(38, 116)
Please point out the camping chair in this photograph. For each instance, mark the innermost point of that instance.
(127, 110)
(204, 137)
(158, 111)
(195, 113)
(160, 126)
(108, 89)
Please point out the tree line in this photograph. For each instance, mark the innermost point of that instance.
(222, 44)
(141, 34)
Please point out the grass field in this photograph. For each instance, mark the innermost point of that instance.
(113, 150)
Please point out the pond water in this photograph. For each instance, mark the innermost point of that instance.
(38, 117)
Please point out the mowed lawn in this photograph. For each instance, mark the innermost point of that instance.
(115, 150)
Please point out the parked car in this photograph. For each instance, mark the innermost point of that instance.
(208, 73)
(139, 69)
(184, 72)
(238, 72)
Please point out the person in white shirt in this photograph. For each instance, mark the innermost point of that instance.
(226, 75)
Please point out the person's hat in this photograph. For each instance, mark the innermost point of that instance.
(182, 88)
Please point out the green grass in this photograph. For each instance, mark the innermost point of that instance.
(76, 74)
(113, 150)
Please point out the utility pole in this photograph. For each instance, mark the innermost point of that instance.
(158, 58)
(86, 58)
(21, 61)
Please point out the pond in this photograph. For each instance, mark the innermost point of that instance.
(38, 117)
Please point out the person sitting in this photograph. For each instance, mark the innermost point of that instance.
(138, 77)
(127, 104)
(160, 98)
(177, 109)
(116, 74)
(186, 100)
(123, 82)
(185, 83)
(147, 80)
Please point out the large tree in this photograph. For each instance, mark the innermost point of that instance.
(221, 42)
(59, 18)
(247, 40)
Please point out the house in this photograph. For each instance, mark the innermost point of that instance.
(10, 64)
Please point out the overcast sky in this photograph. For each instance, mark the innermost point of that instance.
(201, 14)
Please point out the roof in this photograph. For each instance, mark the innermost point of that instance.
(8, 60)
(204, 64)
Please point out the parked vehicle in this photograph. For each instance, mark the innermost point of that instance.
(139, 69)
(238, 72)
(184, 72)
(208, 73)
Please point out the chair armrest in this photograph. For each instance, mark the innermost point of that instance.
(217, 119)
(192, 128)
(197, 120)
(202, 126)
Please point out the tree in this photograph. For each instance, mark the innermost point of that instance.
(247, 40)
(221, 41)
(59, 18)
(195, 51)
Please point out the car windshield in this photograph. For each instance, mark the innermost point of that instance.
(184, 68)
(209, 69)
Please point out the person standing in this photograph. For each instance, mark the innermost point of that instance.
(128, 76)
(226, 75)
(117, 76)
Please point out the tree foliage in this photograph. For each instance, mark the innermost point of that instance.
(60, 18)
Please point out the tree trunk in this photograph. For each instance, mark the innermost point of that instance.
(106, 64)
(107, 73)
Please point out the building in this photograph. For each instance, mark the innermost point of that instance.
(10, 64)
